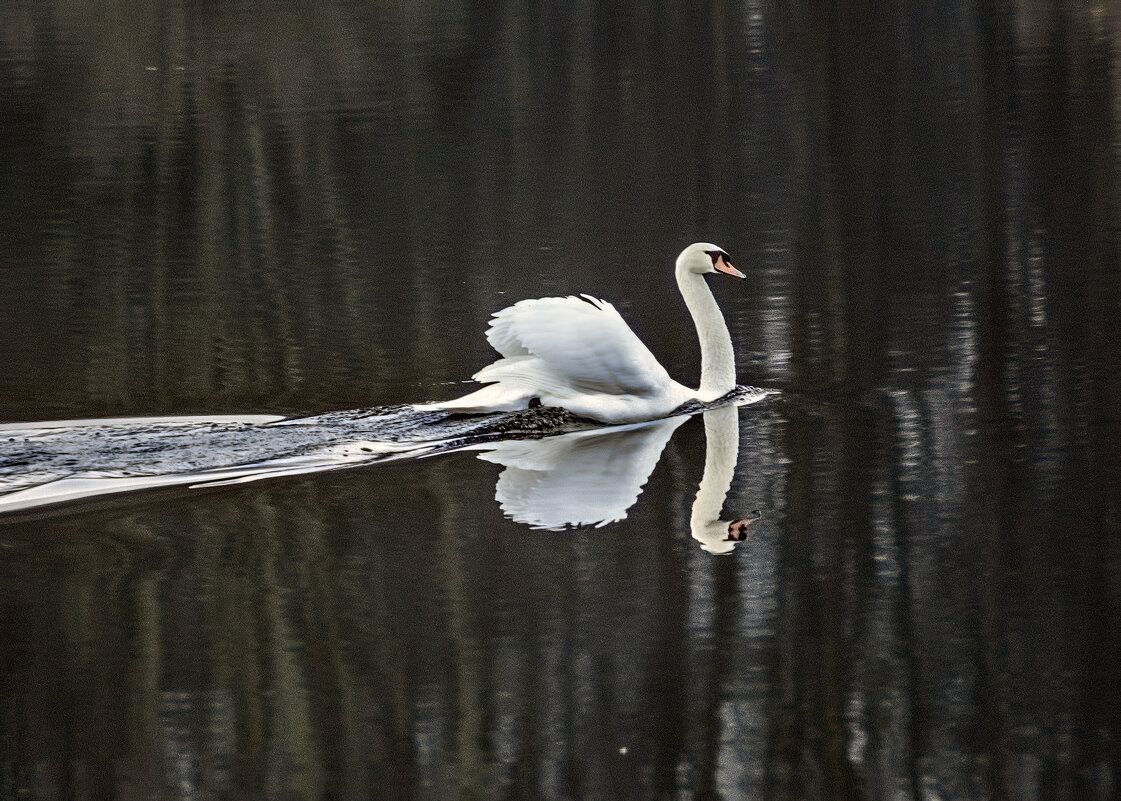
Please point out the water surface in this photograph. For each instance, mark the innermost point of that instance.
(237, 209)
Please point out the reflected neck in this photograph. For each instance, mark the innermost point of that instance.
(722, 444)
(718, 360)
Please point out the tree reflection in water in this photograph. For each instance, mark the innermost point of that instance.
(239, 208)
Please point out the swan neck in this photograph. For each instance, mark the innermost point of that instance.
(718, 360)
(722, 443)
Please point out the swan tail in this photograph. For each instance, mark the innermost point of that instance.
(491, 398)
(511, 384)
(529, 376)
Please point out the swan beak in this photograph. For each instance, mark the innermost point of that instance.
(726, 268)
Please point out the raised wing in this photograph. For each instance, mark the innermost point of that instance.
(583, 342)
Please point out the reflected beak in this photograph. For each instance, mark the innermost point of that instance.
(726, 268)
(737, 529)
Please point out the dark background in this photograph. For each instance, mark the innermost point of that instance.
(211, 207)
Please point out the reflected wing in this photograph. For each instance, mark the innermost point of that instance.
(589, 477)
(582, 345)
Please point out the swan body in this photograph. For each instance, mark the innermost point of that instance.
(579, 353)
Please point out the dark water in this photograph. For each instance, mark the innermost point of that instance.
(232, 208)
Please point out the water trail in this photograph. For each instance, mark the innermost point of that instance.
(67, 460)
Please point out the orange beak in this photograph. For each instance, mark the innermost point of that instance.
(726, 268)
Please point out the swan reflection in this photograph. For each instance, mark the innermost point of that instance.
(583, 478)
(594, 477)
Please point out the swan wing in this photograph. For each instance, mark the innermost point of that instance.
(582, 343)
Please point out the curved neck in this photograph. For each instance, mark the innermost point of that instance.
(718, 361)
(722, 446)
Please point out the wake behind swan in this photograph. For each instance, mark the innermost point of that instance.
(55, 462)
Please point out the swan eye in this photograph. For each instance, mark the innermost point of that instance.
(715, 255)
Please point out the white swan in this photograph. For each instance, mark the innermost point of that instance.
(579, 353)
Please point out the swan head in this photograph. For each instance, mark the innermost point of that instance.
(705, 257)
(721, 536)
